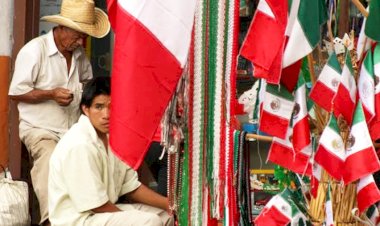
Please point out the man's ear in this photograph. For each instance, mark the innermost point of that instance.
(85, 109)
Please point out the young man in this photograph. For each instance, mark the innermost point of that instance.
(47, 83)
(86, 179)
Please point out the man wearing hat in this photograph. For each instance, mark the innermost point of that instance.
(47, 83)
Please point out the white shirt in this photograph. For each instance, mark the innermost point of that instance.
(39, 65)
(83, 176)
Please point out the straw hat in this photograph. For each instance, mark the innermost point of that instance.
(82, 16)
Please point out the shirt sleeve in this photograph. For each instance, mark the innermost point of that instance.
(26, 71)
(83, 178)
(131, 181)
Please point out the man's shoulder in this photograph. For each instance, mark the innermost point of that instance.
(36, 45)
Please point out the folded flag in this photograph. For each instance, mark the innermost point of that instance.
(327, 84)
(301, 130)
(281, 152)
(366, 87)
(152, 40)
(277, 110)
(345, 97)
(375, 123)
(367, 193)
(331, 152)
(361, 158)
(265, 40)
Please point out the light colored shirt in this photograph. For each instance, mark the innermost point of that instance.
(84, 176)
(39, 65)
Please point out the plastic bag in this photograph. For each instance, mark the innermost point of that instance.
(14, 202)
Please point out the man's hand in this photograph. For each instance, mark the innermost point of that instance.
(62, 96)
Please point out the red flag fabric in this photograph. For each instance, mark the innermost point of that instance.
(152, 40)
(265, 40)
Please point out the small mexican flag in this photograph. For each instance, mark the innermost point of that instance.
(301, 130)
(366, 87)
(330, 152)
(361, 158)
(281, 210)
(329, 208)
(281, 152)
(327, 84)
(345, 98)
(367, 193)
(277, 110)
(315, 178)
(375, 123)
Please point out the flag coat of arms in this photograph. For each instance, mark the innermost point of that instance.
(367, 193)
(361, 158)
(152, 40)
(345, 97)
(366, 87)
(327, 84)
(331, 151)
(277, 110)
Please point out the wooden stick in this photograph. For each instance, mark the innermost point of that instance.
(258, 137)
(360, 7)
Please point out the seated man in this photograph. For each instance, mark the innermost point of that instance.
(86, 179)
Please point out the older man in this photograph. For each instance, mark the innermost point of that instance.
(47, 83)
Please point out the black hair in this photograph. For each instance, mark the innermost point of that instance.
(95, 87)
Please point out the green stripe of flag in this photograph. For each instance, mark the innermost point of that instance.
(372, 25)
(348, 63)
(333, 124)
(334, 63)
(280, 91)
(308, 12)
(359, 114)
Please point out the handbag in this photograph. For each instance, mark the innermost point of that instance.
(14, 202)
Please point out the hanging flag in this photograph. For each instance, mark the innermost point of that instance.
(147, 64)
(327, 84)
(345, 97)
(265, 40)
(330, 152)
(315, 178)
(328, 208)
(303, 29)
(277, 110)
(281, 152)
(301, 131)
(361, 158)
(367, 193)
(373, 21)
(375, 123)
(366, 87)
